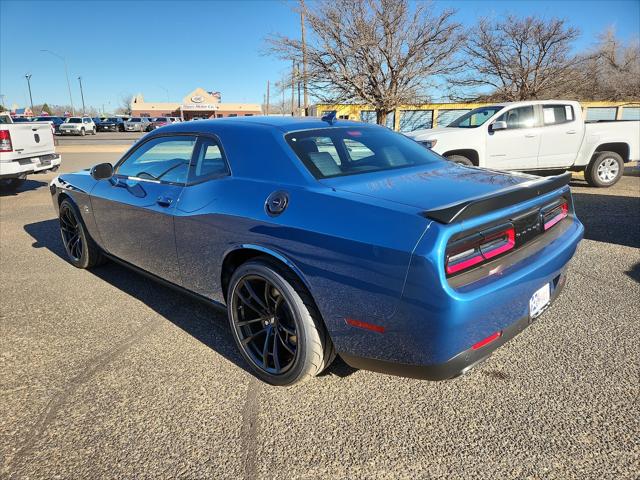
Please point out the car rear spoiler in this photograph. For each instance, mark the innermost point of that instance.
(479, 206)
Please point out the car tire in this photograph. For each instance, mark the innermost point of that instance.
(11, 184)
(604, 170)
(276, 325)
(460, 159)
(82, 251)
(82, 132)
(93, 131)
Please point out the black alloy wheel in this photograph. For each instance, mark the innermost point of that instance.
(80, 247)
(265, 324)
(71, 233)
(276, 324)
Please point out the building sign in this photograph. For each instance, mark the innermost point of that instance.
(197, 99)
(200, 106)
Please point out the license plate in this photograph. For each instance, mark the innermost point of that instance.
(539, 301)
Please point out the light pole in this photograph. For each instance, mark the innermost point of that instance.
(66, 72)
(81, 95)
(28, 77)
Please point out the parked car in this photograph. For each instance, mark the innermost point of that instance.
(136, 124)
(396, 259)
(158, 122)
(25, 149)
(111, 124)
(538, 135)
(55, 122)
(78, 126)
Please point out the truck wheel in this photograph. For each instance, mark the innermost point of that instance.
(461, 159)
(81, 250)
(82, 132)
(11, 184)
(276, 325)
(604, 170)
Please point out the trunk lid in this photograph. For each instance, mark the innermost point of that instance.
(429, 187)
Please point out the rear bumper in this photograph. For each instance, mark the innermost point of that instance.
(460, 363)
(26, 166)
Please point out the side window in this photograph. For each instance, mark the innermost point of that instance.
(521, 117)
(162, 159)
(555, 114)
(208, 162)
(319, 152)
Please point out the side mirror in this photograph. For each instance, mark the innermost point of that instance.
(500, 125)
(102, 171)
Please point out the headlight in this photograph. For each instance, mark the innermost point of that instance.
(429, 143)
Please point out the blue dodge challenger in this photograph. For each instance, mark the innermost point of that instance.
(325, 237)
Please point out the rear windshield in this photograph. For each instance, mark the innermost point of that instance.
(111, 119)
(135, 120)
(337, 152)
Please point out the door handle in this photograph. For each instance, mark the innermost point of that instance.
(571, 132)
(530, 135)
(164, 201)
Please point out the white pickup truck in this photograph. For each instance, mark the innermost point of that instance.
(537, 135)
(25, 148)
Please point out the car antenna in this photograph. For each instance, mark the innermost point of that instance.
(329, 117)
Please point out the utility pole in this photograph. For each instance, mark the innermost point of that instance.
(304, 60)
(81, 94)
(298, 82)
(28, 77)
(66, 71)
(267, 107)
(293, 88)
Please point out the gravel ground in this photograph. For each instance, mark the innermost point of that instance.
(104, 374)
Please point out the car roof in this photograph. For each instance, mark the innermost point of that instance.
(284, 124)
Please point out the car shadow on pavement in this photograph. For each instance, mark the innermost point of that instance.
(25, 187)
(609, 218)
(204, 322)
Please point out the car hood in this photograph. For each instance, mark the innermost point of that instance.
(429, 186)
(427, 134)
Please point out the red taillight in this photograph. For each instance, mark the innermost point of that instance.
(486, 341)
(480, 247)
(5, 141)
(554, 215)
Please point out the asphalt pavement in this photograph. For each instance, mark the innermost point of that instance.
(104, 374)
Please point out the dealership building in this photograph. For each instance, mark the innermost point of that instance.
(199, 103)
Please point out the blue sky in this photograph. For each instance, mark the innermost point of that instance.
(121, 47)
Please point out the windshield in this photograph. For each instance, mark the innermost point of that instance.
(337, 152)
(476, 117)
(111, 119)
(74, 120)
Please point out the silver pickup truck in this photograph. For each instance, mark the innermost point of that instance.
(25, 148)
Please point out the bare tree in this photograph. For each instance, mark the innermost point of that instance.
(125, 104)
(519, 58)
(379, 52)
(612, 70)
